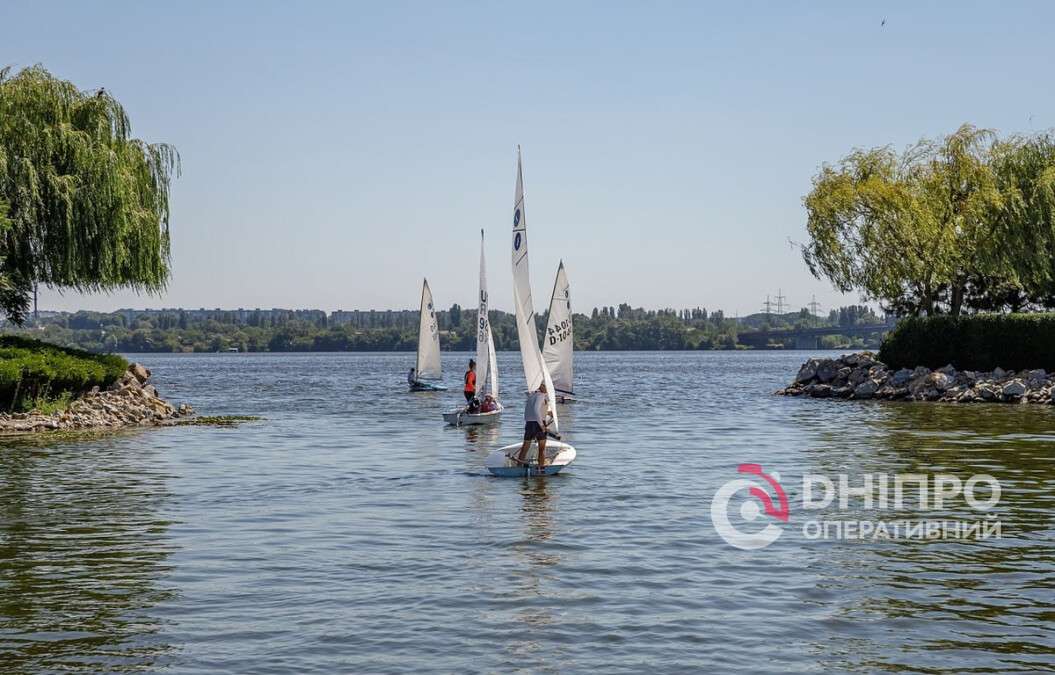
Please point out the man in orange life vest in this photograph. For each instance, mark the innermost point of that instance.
(470, 382)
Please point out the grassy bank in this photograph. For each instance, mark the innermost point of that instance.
(35, 373)
(980, 342)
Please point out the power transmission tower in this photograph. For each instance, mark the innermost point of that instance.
(781, 301)
(815, 307)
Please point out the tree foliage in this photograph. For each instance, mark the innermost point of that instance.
(946, 226)
(88, 205)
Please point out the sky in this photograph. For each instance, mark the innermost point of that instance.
(334, 154)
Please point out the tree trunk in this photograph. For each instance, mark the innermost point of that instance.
(926, 301)
(956, 298)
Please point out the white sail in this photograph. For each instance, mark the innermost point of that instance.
(428, 365)
(535, 372)
(558, 343)
(484, 343)
(493, 363)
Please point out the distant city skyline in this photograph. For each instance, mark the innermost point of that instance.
(334, 153)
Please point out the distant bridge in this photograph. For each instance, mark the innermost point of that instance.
(809, 338)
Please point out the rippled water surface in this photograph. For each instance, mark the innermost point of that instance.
(350, 531)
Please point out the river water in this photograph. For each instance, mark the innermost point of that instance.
(350, 531)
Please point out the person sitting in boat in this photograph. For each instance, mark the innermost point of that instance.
(412, 377)
(489, 404)
(470, 382)
(474, 406)
(536, 412)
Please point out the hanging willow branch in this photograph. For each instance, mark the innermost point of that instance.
(88, 205)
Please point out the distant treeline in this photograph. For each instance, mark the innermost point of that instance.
(604, 328)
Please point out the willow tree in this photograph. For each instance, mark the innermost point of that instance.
(913, 231)
(88, 204)
(1025, 167)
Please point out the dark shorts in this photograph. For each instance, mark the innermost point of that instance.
(469, 395)
(533, 431)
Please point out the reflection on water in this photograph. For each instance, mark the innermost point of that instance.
(82, 547)
(987, 602)
(352, 531)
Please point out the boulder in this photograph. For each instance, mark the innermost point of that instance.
(827, 370)
(866, 389)
(808, 371)
(938, 380)
(1013, 390)
(814, 390)
(859, 359)
(150, 391)
(842, 376)
(999, 373)
(140, 372)
(901, 377)
(948, 370)
(859, 375)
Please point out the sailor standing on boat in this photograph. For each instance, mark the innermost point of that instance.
(470, 382)
(536, 412)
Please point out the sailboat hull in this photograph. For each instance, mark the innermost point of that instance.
(459, 418)
(425, 386)
(558, 456)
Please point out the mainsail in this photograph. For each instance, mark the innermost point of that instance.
(535, 372)
(485, 347)
(558, 342)
(428, 365)
(492, 364)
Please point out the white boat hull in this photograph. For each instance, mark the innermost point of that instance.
(558, 456)
(459, 418)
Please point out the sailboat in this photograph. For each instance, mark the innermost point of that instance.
(486, 363)
(558, 454)
(558, 342)
(427, 366)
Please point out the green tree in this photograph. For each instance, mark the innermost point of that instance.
(88, 203)
(1025, 169)
(909, 230)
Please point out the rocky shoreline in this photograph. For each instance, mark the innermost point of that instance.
(129, 402)
(861, 376)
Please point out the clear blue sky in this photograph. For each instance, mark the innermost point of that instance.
(334, 153)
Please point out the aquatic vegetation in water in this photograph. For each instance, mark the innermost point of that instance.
(216, 421)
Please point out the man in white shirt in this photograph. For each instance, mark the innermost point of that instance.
(536, 412)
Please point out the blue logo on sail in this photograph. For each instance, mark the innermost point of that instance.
(516, 240)
(516, 217)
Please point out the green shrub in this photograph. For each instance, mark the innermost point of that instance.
(975, 342)
(32, 372)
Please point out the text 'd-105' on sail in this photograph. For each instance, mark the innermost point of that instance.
(486, 368)
(535, 372)
(428, 365)
(558, 339)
